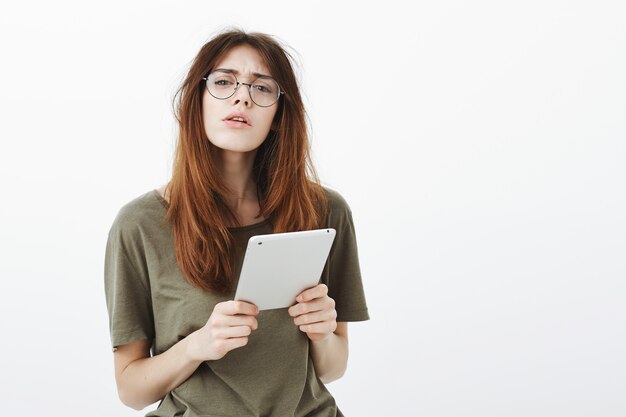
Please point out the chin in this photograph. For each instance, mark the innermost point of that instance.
(236, 147)
(237, 144)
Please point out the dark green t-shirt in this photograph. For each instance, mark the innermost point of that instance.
(148, 298)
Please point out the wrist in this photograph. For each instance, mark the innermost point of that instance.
(190, 348)
(321, 341)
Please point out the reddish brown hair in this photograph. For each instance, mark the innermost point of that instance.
(288, 188)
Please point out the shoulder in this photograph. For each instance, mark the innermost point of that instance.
(339, 211)
(336, 202)
(137, 214)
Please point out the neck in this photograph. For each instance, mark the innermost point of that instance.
(236, 169)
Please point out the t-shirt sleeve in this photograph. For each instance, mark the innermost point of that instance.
(126, 283)
(342, 273)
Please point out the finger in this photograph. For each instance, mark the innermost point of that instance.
(324, 327)
(238, 320)
(237, 307)
(318, 291)
(317, 336)
(317, 304)
(315, 317)
(226, 345)
(233, 332)
(306, 307)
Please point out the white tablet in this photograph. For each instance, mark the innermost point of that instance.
(278, 267)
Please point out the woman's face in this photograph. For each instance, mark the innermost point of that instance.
(222, 118)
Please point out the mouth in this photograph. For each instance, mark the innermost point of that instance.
(238, 119)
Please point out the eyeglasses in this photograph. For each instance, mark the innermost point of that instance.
(264, 91)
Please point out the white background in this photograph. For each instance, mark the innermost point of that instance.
(480, 144)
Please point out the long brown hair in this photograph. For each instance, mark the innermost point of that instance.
(289, 191)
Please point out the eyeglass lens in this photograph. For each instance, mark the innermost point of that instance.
(264, 91)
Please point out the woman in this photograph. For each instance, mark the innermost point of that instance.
(173, 255)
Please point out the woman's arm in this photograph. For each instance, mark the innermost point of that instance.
(330, 355)
(315, 314)
(142, 380)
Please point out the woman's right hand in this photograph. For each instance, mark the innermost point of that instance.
(228, 328)
(143, 379)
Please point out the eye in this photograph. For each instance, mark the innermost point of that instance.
(265, 86)
(223, 82)
(261, 88)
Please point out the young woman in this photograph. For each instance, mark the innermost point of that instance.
(173, 255)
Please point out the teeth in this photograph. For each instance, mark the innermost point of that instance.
(238, 119)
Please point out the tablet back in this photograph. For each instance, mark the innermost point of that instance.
(278, 267)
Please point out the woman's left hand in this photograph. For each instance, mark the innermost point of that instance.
(315, 313)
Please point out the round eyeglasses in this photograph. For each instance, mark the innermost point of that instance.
(264, 91)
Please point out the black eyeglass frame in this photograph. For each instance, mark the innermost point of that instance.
(249, 85)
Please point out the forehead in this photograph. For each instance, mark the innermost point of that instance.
(244, 60)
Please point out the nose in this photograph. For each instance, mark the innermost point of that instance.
(242, 94)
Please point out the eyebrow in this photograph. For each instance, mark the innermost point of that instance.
(234, 71)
